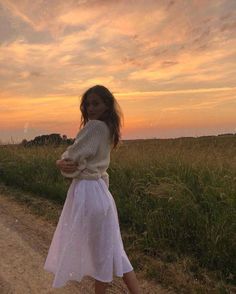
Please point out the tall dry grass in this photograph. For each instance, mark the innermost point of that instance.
(176, 195)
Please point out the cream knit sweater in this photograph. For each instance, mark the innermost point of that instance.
(91, 150)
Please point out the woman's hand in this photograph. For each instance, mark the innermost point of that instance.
(66, 165)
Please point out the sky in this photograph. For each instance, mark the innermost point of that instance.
(171, 64)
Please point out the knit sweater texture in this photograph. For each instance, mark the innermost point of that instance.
(91, 150)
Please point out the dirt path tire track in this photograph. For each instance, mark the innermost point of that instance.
(24, 242)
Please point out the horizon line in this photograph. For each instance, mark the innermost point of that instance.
(134, 139)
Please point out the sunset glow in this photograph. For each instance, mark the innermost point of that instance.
(170, 64)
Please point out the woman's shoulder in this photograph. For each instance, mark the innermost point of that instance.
(93, 127)
(96, 124)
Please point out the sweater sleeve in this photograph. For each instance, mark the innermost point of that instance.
(86, 144)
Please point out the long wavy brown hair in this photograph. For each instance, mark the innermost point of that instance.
(113, 116)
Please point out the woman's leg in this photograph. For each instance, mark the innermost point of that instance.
(129, 279)
(131, 282)
(100, 287)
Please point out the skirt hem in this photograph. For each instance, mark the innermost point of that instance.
(87, 275)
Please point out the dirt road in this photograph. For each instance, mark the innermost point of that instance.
(24, 242)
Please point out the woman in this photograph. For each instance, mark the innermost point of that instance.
(87, 240)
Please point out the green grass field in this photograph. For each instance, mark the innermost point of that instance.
(176, 197)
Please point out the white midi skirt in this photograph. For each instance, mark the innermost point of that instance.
(87, 239)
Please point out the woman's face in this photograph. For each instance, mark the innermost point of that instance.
(95, 106)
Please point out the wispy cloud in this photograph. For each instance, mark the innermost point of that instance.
(158, 93)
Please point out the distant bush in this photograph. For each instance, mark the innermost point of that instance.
(52, 139)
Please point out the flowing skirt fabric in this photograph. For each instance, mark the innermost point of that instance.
(87, 239)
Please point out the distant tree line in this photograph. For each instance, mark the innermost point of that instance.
(57, 139)
(227, 134)
(52, 139)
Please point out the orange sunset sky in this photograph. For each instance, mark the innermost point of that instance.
(170, 64)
